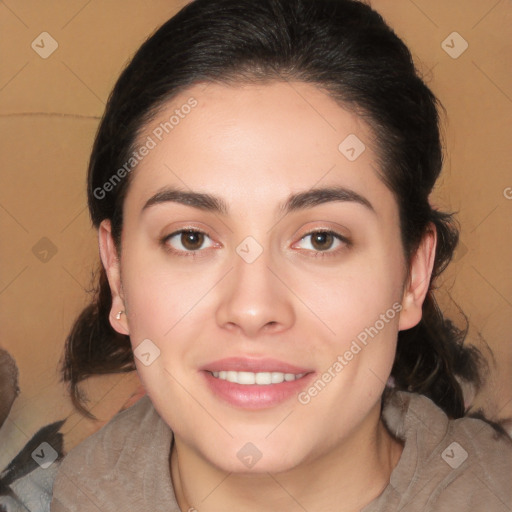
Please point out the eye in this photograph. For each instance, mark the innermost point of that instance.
(185, 241)
(189, 242)
(322, 241)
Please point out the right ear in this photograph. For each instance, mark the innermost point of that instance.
(110, 260)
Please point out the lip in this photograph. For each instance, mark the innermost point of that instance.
(245, 364)
(254, 396)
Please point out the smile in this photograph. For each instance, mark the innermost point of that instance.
(260, 378)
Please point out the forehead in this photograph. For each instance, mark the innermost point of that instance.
(253, 143)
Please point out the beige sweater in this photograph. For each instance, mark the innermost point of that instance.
(446, 465)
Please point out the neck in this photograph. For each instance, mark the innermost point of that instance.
(348, 477)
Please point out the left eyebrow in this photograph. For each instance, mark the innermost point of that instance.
(295, 202)
(317, 196)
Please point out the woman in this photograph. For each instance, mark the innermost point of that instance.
(260, 183)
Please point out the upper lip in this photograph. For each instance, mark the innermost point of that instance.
(241, 364)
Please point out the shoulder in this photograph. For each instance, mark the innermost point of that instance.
(107, 444)
(463, 463)
(94, 472)
(487, 478)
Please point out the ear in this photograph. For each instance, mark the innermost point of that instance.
(111, 264)
(417, 286)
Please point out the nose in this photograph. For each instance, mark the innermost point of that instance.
(255, 299)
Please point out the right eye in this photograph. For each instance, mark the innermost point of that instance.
(185, 242)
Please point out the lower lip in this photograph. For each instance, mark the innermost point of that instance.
(255, 396)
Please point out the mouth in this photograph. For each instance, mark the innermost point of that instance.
(260, 378)
(255, 383)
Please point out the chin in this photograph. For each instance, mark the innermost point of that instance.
(254, 458)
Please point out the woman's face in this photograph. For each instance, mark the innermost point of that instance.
(252, 293)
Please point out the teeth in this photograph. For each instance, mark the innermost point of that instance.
(262, 378)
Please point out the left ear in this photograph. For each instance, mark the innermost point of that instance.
(418, 284)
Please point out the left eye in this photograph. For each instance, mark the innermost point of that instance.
(322, 241)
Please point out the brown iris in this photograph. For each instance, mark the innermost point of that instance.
(321, 240)
(192, 240)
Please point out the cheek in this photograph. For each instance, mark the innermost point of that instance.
(160, 318)
(157, 293)
(150, 303)
(166, 305)
(353, 296)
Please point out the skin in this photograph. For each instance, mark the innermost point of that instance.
(254, 146)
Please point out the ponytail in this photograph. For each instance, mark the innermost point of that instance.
(93, 347)
(431, 358)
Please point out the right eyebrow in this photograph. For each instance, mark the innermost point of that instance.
(200, 200)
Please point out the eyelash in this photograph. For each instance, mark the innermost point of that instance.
(194, 254)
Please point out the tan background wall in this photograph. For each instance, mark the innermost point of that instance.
(49, 111)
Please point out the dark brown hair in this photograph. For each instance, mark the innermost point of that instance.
(346, 49)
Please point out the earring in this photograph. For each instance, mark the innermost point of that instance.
(118, 316)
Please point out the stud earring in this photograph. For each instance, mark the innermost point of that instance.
(118, 316)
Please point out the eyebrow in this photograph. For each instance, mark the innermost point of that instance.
(295, 202)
